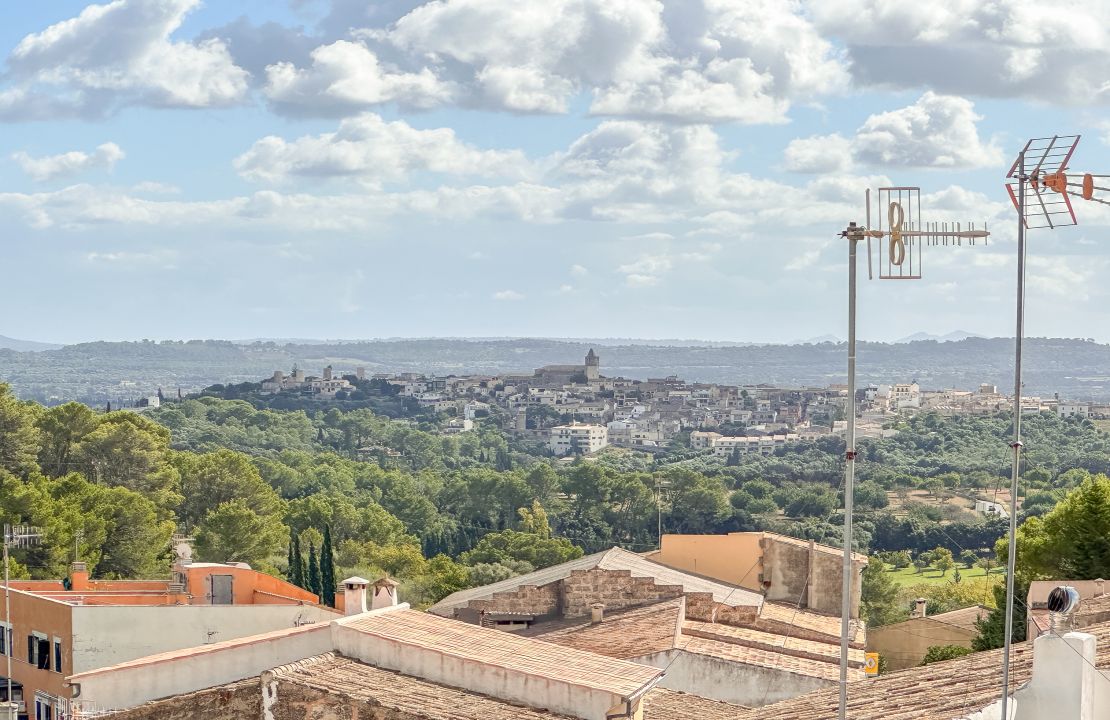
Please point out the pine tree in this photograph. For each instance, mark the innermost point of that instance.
(992, 628)
(327, 569)
(313, 572)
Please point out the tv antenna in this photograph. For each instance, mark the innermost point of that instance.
(20, 536)
(1041, 190)
(904, 233)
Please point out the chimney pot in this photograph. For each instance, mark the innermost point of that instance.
(597, 612)
(1100, 587)
(78, 576)
(354, 595)
(385, 593)
(919, 607)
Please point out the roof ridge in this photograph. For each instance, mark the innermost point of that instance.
(304, 664)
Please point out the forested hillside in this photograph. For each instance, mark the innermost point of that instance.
(444, 512)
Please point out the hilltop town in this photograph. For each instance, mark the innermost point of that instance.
(576, 410)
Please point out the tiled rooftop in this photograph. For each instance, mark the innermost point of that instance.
(826, 652)
(940, 691)
(335, 674)
(827, 625)
(522, 655)
(622, 634)
(963, 618)
(661, 704)
(766, 659)
(612, 559)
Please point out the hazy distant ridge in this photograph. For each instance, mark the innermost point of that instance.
(1077, 369)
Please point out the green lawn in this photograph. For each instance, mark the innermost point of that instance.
(910, 575)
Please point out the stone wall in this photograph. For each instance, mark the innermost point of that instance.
(786, 567)
(616, 589)
(238, 700)
(702, 606)
(527, 599)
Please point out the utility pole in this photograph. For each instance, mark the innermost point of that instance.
(904, 233)
(1042, 197)
(21, 536)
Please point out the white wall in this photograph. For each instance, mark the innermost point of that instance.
(107, 635)
(576, 701)
(142, 681)
(718, 679)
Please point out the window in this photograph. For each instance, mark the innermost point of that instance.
(38, 650)
(43, 708)
(5, 639)
(57, 654)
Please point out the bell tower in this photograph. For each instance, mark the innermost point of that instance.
(593, 365)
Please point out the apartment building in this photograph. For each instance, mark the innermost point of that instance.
(577, 438)
(58, 628)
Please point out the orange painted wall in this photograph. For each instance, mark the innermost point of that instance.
(52, 618)
(247, 586)
(733, 558)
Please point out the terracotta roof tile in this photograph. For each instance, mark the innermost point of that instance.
(335, 674)
(827, 625)
(622, 634)
(940, 691)
(812, 649)
(495, 647)
(766, 659)
(662, 704)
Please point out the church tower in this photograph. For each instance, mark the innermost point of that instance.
(593, 365)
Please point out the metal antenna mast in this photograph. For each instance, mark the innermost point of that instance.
(19, 536)
(905, 234)
(1039, 188)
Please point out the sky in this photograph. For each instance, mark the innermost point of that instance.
(568, 168)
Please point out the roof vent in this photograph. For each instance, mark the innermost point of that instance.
(1063, 601)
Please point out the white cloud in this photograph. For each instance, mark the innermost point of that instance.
(371, 148)
(579, 270)
(690, 62)
(347, 76)
(1008, 48)
(646, 270)
(71, 163)
(937, 131)
(120, 53)
(156, 188)
(818, 154)
(166, 259)
(507, 296)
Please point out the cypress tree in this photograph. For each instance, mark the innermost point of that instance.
(327, 569)
(313, 572)
(296, 560)
(291, 564)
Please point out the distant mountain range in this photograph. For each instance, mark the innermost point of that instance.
(7, 343)
(102, 371)
(954, 336)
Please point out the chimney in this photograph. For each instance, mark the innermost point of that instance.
(385, 593)
(919, 607)
(78, 576)
(597, 612)
(1100, 587)
(354, 595)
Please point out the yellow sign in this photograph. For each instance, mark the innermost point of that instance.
(871, 664)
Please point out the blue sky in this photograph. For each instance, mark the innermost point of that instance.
(604, 168)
